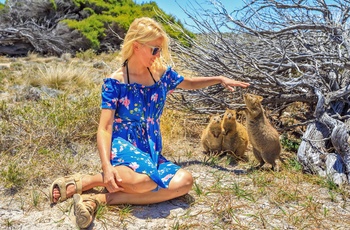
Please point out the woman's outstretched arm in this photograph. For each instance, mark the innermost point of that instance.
(202, 82)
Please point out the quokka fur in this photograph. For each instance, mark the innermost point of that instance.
(211, 138)
(263, 137)
(234, 135)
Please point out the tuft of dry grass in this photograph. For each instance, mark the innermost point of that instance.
(180, 125)
(61, 76)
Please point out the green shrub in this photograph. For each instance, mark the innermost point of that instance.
(294, 164)
(12, 176)
(92, 28)
(290, 144)
(122, 13)
(54, 5)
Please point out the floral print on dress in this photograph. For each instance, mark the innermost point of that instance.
(136, 137)
(125, 101)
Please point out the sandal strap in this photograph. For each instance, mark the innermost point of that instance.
(84, 209)
(63, 182)
(63, 191)
(88, 203)
(78, 183)
(89, 207)
(75, 180)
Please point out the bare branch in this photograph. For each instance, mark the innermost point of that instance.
(291, 52)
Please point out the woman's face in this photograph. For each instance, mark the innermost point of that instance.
(149, 51)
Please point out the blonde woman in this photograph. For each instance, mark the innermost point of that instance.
(128, 137)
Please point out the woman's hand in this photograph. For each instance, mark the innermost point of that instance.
(230, 83)
(111, 178)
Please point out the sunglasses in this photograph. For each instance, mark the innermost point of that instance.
(155, 50)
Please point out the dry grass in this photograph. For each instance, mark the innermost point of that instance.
(54, 134)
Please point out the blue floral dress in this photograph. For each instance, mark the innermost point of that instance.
(136, 137)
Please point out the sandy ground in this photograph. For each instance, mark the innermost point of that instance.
(197, 210)
(191, 211)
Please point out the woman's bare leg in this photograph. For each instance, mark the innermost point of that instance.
(132, 182)
(179, 185)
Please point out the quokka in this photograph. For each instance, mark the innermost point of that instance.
(235, 136)
(211, 138)
(263, 137)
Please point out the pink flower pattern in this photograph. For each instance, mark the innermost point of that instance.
(134, 166)
(125, 101)
(167, 177)
(154, 97)
(112, 155)
(150, 120)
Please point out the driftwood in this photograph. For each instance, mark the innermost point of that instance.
(291, 52)
(14, 46)
(325, 147)
(23, 40)
(36, 26)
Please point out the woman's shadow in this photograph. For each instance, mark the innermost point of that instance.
(163, 209)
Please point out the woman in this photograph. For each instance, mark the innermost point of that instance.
(128, 136)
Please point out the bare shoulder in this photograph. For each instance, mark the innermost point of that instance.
(159, 72)
(118, 75)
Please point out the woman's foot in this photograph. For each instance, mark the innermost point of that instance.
(64, 187)
(85, 207)
(56, 193)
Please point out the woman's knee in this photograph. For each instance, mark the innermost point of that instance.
(187, 178)
(182, 179)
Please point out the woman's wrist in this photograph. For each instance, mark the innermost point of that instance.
(105, 166)
(222, 81)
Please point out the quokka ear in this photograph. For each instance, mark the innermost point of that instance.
(260, 98)
(234, 113)
(209, 119)
(240, 111)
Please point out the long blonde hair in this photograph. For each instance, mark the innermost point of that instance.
(144, 30)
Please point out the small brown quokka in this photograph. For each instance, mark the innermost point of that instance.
(263, 137)
(211, 138)
(234, 135)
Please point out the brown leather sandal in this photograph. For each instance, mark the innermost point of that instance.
(62, 183)
(84, 209)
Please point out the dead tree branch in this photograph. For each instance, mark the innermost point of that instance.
(290, 52)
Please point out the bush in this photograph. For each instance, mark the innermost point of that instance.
(290, 144)
(102, 15)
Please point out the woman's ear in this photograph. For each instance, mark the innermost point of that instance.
(135, 46)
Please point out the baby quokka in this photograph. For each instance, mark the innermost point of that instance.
(211, 138)
(234, 135)
(225, 135)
